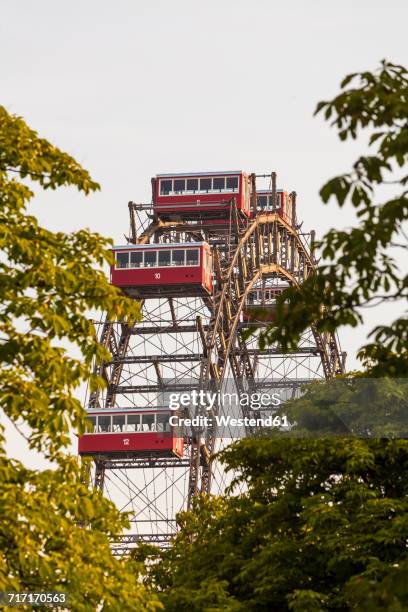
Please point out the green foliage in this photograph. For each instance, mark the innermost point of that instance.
(361, 269)
(389, 594)
(348, 406)
(48, 283)
(43, 548)
(322, 523)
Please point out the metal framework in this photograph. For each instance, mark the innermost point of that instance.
(184, 339)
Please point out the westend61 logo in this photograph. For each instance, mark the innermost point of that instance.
(212, 402)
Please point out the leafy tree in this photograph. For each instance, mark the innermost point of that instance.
(361, 268)
(348, 406)
(323, 524)
(48, 283)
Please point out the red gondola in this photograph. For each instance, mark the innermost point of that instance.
(261, 304)
(191, 195)
(283, 203)
(131, 431)
(155, 270)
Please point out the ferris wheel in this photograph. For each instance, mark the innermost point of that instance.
(207, 264)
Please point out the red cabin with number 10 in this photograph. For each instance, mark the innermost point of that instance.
(155, 270)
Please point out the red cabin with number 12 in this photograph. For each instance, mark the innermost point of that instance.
(129, 431)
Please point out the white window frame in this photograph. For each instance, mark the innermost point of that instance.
(187, 265)
(263, 195)
(125, 430)
(124, 424)
(150, 251)
(157, 266)
(116, 260)
(200, 191)
(138, 425)
(93, 416)
(97, 424)
(177, 191)
(163, 251)
(130, 262)
(176, 265)
(171, 190)
(192, 191)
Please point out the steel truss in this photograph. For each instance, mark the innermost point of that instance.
(185, 339)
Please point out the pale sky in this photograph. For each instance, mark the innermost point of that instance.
(134, 88)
